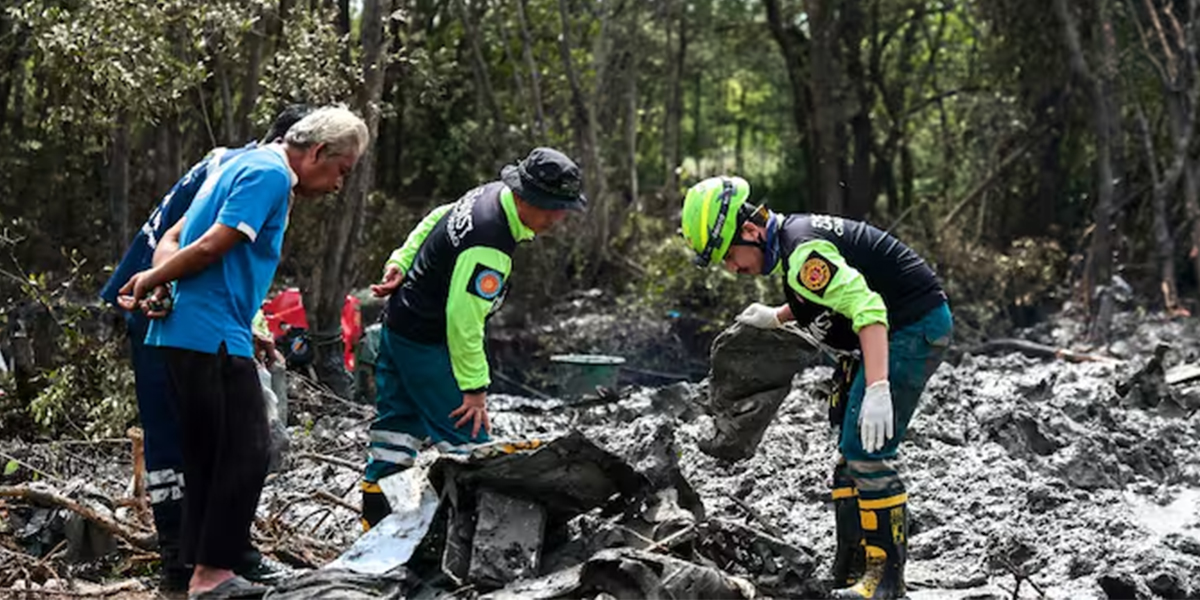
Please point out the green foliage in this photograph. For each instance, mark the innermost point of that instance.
(90, 395)
(101, 54)
(992, 290)
(673, 283)
(88, 389)
(302, 71)
(946, 91)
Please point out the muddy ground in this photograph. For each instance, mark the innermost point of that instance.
(1020, 470)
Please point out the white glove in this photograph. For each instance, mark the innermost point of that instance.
(759, 315)
(875, 423)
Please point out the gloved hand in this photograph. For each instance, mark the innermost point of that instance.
(875, 423)
(759, 315)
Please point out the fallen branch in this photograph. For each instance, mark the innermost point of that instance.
(313, 384)
(663, 545)
(330, 498)
(1021, 576)
(141, 502)
(993, 176)
(767, 525)
(46, 474)
(509, 380)
(659, 374)
(321, 522)
(333, 460)
(139, 539)
(112, 589)
(1037, 350)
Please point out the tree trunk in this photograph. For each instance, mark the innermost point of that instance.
(343, 27)
(1163, 243)
(342, 234)
(254, 56)
(228, 110)
(12, 63)
(165, 173)
(118, 186)
(631, 114)
(824, 87)
(275, 26)
(518, 81)
(1100, 254)
(483, 82)
(1051, 174)
(861, 184)
(861, 181)
(20, 77)
(586, 143)
(673, 117)
(535, 75)
(739, 144)
(789, 38)
(1191, 196)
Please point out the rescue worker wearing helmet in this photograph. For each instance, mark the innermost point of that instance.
(853, 289)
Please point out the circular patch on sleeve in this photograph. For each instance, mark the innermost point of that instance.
(488, 284)
(815, 274)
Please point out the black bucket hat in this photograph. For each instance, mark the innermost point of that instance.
(546, 179)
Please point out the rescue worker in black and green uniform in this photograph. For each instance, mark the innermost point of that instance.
(855, 289)
(451, 273)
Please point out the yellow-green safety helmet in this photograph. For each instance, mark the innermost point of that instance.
(710, 218)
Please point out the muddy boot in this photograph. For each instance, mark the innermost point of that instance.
(374, 505)
(850, 559)
(885, 537)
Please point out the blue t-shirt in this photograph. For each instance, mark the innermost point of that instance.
(249, 194)
(140, 255)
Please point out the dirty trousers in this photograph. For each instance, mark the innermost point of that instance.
(415, 393)
(224, 438)
(914, 353)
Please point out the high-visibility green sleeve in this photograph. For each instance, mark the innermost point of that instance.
(403, 256)
(819, 273)
(475, 286)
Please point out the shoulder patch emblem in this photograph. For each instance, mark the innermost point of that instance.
(816, 273)
(487, 283)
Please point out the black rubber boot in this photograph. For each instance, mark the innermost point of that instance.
(168, 515)
(850, 558)
(374, 505)
(885, 537)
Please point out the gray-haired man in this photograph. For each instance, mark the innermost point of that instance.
(221, 258)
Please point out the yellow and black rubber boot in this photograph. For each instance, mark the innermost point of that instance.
(850, 558)
(374, 505)
(885, 541)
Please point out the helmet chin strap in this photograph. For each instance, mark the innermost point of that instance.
(770, 244)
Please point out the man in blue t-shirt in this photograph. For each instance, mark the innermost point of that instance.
(156, 408)
(220, 259)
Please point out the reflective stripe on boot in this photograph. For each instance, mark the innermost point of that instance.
(885, 540)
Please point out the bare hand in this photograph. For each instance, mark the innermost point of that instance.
(264, 349)
(392, 278)
(474, 409)
(141, 293)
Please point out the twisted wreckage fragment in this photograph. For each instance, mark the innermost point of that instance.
(555, 519)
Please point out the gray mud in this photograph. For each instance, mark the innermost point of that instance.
(1017, 468)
